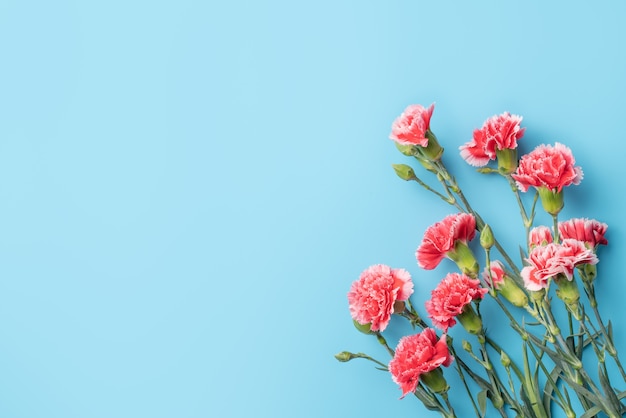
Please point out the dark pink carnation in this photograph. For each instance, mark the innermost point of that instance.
(540, 235)
(547, 261)
(497, 133)
(449, 298)
(496, 278)
(373, 295)
(589, 231)
(418, 354)
(411, 126)
(440, 238)
(549, 167)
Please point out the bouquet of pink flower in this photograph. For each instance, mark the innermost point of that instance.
(556, 260)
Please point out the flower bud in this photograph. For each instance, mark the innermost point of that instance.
(364, 328)
(470, 320)
(486, 238)
(344, 356)
(551, 200)
(505, 359)
(467, 346)
(435, 381)
(404, 172)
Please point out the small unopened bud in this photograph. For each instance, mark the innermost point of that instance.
(467, 346)
(486, 238)
(404, 172)
(505, 359)
(344, 356)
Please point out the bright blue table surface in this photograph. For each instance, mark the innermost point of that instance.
(189, 188)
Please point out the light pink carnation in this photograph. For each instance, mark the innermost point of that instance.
(449, 298)
(418, 354)
(411, 126)
(497, 274)
(547, 261)
(549, 167)
(540, 235)
(373, 295)
(497, 133)
(440, 238)
(589, 231)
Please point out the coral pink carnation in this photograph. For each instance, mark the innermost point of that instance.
(540, 235)
(589, 231)
(549, 167)
(496, 278)
(440, 238)
(418, 354)
(411, 126)
(373, 295)
(450, 297)
(497, 133)
(547, 261)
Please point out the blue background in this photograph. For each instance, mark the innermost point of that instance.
(189, 188)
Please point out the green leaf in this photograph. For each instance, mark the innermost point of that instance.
(608, 390)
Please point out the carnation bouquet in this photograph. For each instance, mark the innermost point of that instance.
(546, 293)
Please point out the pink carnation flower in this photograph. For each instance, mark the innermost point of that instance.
(589, 231)
(373, 295)
(548, 261)
(411, 126)
(441, 237)
(449, 298)
(415, 355)
(497, 133)
(549, 167)
(540, 235)
(497, 274)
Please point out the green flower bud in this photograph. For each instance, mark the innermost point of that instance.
(435, 381)
(507, 160)
(344, 356)
(404, 172)
(467, 346)
(470, 320)
(551, 200)
(505, 359)
(486, 238)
